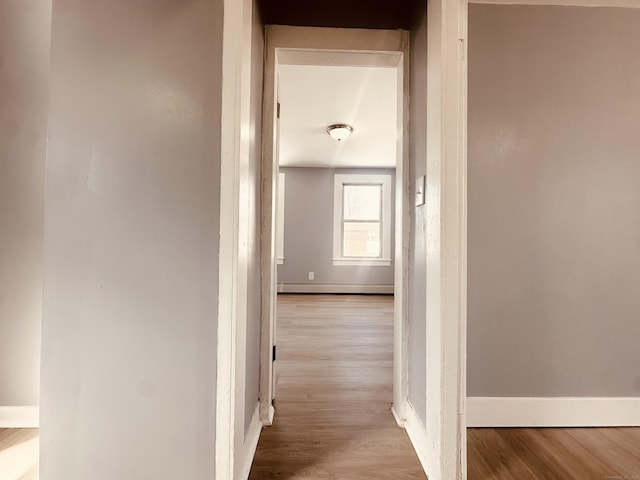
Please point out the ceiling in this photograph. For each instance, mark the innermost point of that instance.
(339, 13)
(314, 97)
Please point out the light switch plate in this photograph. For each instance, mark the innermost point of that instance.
(420, 182)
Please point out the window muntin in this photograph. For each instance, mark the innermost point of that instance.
(362, 220)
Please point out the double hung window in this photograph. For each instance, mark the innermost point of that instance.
(362, 220)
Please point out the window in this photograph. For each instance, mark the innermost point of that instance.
(280, 220)
(362, 220)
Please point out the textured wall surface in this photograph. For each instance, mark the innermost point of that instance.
(131, 241)
(554, 190)
(24, 84)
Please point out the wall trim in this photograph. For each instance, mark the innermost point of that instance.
(365, 262)
(250, 445)
(566, 3)
(329, 46)
(418, 435)
(553, 412)
(397, 416)
(20, 417)
(334, 288)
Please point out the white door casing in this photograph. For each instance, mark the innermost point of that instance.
(346, 47)
(446, 204)
(234, 236)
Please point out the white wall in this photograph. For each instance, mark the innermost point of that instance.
(24, 80)
(131, 241)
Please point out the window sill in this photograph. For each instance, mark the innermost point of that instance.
(364, 262)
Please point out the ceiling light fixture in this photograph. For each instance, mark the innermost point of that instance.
(339, 131)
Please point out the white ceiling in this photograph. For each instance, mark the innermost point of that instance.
(314, 97)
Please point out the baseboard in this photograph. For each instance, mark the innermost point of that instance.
(267, 419)
(250, 445)
(553, 412)
(402, 422)
(334, 288)
(19, 417)
(418, 436)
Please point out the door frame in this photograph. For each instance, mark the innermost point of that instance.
(234, 238)
(331, 46)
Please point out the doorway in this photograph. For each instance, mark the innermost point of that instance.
(344, 231)
(294, 46)
(334, 369)
(438, 437)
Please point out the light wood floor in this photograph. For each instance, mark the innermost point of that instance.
(333, 395)
(18, 454)
(554, 454)
(333, 416)
(333, 420)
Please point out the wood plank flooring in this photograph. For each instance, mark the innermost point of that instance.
(333, 421)
(553, 454)
(333, 417)
(18, 454)
(333, 395)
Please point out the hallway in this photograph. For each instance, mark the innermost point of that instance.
(333, 394)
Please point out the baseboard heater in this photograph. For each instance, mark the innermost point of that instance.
(334, 288)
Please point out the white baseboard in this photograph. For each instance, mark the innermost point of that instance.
(402, 422)
(418, 436)
(553, 412)
(267, 420)
(250, 445)
(19, 417)
(334, 288)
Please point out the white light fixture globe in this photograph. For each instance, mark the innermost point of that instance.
(339, 131)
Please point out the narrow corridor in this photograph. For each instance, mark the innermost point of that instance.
(333, 394)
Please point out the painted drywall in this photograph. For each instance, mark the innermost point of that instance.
(365, 97)
(554, 189)
(440, 439)
(417, 239)
(253, 288)
(308, 231)
(24, 84)
(131, 241)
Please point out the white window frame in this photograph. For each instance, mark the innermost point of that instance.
(280, 220)
(340, 180)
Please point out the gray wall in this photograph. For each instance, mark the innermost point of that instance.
(554, 196)
(308, 231)
(131, 241)
(253, 289)
(24, 84)
(417, 239)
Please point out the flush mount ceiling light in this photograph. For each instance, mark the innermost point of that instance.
(339, 131)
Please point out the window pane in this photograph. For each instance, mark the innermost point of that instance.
(361, 239)
(362, 202)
